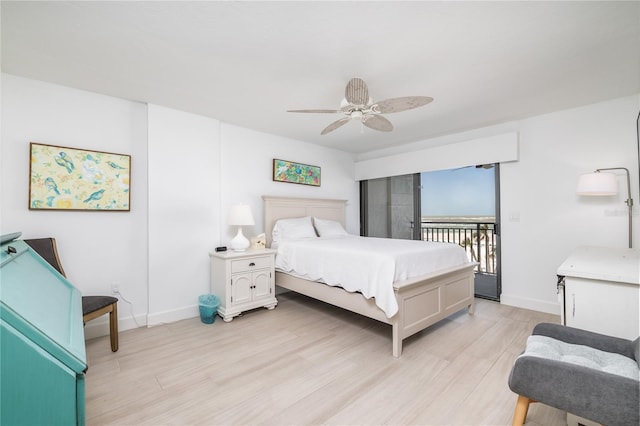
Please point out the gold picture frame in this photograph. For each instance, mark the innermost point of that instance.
(64, 178)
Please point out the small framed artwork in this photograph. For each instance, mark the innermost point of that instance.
(63, 178)
(290, 172)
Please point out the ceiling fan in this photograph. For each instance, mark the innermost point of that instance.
(358, 105)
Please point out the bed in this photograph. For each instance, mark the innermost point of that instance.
(422, 300)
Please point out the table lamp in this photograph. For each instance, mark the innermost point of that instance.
(240, 216)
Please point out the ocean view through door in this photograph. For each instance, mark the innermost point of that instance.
(461, 206)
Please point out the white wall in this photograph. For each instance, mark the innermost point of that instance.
(183, 220)
(543, 219)
(555, 149)
(187, 171)
(198, 168)
(96, 248)
(247, 172)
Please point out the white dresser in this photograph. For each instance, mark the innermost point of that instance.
(601, 290)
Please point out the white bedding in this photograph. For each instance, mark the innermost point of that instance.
(365, 264)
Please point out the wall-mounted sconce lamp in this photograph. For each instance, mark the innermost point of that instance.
(605, 184)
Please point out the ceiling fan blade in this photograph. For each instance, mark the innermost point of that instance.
(356, 92)
(401, 104)
(377, 122)
(339, 123)
(314, 110)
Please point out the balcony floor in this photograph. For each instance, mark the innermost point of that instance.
(486, 286)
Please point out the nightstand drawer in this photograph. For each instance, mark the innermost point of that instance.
(247, 265)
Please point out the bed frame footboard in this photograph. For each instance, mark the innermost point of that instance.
(426, 300)
(422, 301)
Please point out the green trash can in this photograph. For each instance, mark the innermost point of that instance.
(208, 304)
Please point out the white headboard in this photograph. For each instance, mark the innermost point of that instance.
(288, 207)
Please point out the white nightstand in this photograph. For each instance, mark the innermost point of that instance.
(243, 281)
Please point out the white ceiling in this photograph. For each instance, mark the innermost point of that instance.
(246, 63)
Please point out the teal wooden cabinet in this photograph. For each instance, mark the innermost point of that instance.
(42, 347)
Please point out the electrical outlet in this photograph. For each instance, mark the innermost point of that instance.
(115, 289)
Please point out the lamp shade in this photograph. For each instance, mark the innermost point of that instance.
(240, 214)
(597, 184)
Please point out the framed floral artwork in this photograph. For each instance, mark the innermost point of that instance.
(288, 171)
(63, 178)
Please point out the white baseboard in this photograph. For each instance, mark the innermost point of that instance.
(533, 304)
(100, 326)
(173, 315)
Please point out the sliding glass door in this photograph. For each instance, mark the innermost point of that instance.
(391, 207)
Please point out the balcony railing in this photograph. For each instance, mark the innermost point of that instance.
(477, 238)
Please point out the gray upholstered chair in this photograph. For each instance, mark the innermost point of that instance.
(590, 375)
(92, 306)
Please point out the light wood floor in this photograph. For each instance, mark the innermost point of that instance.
(308, 363)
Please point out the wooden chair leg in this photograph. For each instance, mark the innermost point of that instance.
(522, 407)
(113, 327)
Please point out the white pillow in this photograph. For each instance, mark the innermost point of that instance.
(329, 228)
(292, 229)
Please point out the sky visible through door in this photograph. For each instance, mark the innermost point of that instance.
(458, 193)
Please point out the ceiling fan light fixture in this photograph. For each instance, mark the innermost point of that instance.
(357, 104)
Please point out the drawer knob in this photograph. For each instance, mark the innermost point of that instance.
(252, 264)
